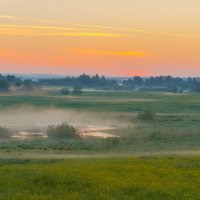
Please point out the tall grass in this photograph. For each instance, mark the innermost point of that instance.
(146, 115)
(4, 133)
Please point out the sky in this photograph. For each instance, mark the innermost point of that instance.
(109, 37)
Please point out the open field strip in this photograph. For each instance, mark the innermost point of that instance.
(151, 178)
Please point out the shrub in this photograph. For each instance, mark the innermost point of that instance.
(4, 133)
(62, 131)
(146, 115)
(77, 90)
(65, 91)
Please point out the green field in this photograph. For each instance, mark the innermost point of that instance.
(156, 158)
(115, 178)
(109, 101)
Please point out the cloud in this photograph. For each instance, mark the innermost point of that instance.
(90, 28)
(39, 27)
(109, 53)
(9, 17)
(137, 30)
(36, 30)
(100, 27)
(96, 27)
(91, 34)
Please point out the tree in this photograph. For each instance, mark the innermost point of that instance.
(138, 81)
(4, 85)
(10, 78)
(77, 90)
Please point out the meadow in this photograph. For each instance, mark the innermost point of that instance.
(150, 158)
(108, 101)
(101, 178)
(175, 126)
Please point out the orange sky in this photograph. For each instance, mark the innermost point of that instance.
(115, 37)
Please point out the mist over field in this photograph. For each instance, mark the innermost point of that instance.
(28, 116)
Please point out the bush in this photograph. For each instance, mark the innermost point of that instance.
(4, 133)
(62, 131)
(77, 90)
(146, 115)
(65, 91)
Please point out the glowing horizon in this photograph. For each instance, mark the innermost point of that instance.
(115, 38)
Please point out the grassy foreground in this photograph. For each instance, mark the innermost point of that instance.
(113, 178)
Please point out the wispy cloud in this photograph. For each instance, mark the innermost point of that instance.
(109, 53)
(36, 30)
(40, 27)
(9, 17)
(92, 34)
(96, 27)
(135, 30)
(92, 30)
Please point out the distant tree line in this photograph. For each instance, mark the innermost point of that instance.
(81, 81)
(167, 83)
(10, 81)
(158, 83)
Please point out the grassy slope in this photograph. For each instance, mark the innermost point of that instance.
(83, 179)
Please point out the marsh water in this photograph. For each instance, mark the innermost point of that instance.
(30, 122)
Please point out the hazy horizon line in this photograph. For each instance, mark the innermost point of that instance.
(108, 76)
